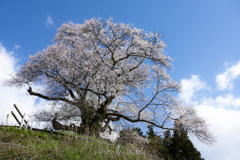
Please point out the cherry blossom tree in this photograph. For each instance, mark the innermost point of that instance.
(109, 72)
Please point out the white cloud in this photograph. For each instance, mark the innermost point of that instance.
(9, 95)
(6, 63)
(190, 87)
(222, 113)
(16, 47)
(225, 124)
(49, 21)
(227, 101)
(224, 80)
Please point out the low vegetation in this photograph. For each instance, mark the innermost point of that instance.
(22, 144)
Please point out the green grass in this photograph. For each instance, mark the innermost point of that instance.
(21, 144)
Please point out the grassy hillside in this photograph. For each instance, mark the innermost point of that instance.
(21, 144)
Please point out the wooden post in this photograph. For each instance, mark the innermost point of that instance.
(27, 125)
(22, 121)
(15, 118)
(51, 131)
(23, 118)
(19, 112)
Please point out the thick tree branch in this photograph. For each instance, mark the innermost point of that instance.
(50, 98)
(116, 116)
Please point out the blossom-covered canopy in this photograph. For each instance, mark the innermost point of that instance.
(109, 72)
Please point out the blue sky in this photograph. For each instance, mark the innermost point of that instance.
(202, 36)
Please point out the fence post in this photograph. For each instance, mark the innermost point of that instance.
(15, 117)
(19, 112)
(27, 125)
(22, 121)
(51, 131)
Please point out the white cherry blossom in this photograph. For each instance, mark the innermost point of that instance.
(107, 71)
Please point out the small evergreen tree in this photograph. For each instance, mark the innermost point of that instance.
(151, 134)
(156, 145)
(181, 147)
(167, 140)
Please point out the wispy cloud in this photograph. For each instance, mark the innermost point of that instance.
(224, 80)
(16, 47)
(190, 87)
(49, 21)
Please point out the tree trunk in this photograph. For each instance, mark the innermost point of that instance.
(90, 127)
(92, 120)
